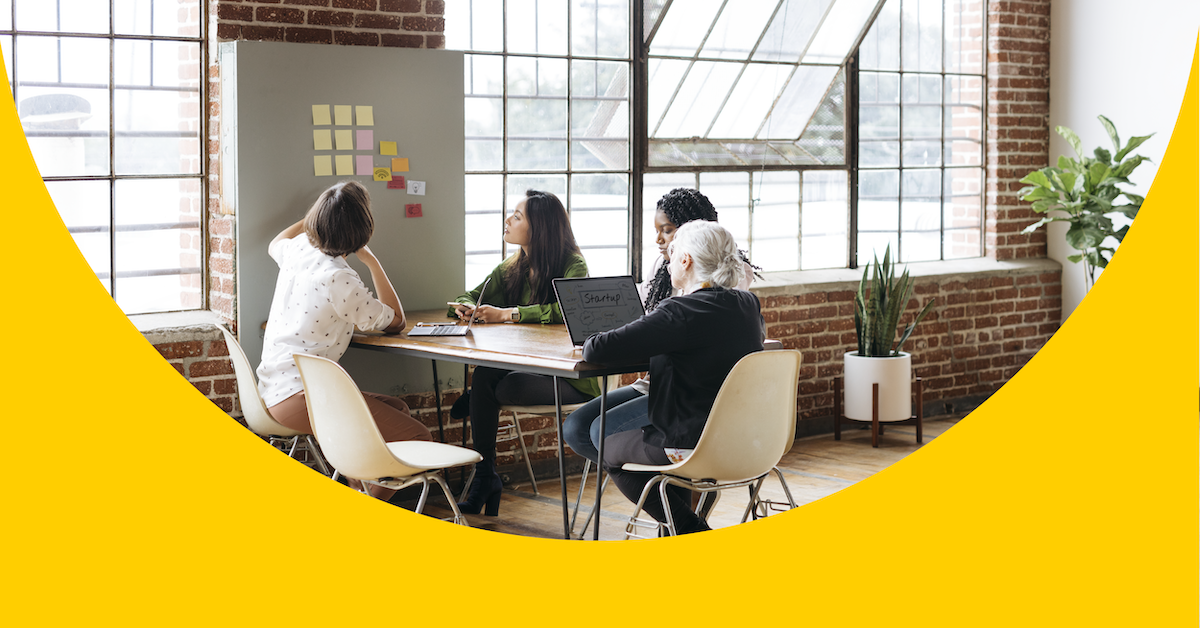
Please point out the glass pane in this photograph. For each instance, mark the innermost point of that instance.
(484, 120)
(537, 27)
(475, 25)
(5, 15)
(922, 119)
(683, 153)
(600, 212)
(484, 213)
(750, 101)
(483, 75)
(790, 31)
(600, 28)
(537, 125)
(478, 267)
(738, 29)
(695, 106)
(64, 16)
(841, 28)
(683, 28)
(159, 250)
(964, 36)
(881, 48)
(165, 18)
(665, 76)
(964, 121)
(872, 245)
(921, 36)
(84, 208)
(600, 115)
(654, 187)
(606, 262)
(920, 246)
(530, 76)
(804, 92)
(158, 118)
(962, 212)
(825, 136)
(776, 220)
(6, 52)
(555, 184)
(67, 127)
(730, 195)
(652, 11)
(921, 203)
(824, 219)
(878, 200)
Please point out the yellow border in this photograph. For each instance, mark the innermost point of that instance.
(1069, 498)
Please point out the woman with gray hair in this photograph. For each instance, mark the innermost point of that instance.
(692, 342)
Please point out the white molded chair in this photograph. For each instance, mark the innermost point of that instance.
(255, 411)
(352, 442)
(750, 427)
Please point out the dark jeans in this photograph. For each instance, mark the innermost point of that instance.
(492, 388)
(627, 410)
(629, 447)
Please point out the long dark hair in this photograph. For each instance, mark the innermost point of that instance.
(551, 244)
(681, 206)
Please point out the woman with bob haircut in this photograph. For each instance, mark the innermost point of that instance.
(628, 406)
(319, 300)
(519, 290)
(692, 342)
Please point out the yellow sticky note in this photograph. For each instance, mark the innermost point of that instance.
(320, 115)
(387, 148)
(345, 165)
(322, 140)
(365, 115)
(323, 165)
(383, 174)
(400, 164)
(345, 139)
(341, 115)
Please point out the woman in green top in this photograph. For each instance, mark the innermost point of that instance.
(520, 291)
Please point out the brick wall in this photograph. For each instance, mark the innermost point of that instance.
(1018, 67)
(199, 353)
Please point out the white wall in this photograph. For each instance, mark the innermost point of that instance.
(1128, 61)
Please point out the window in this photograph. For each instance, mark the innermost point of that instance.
(547, 88)
(822, 130)
(109, 94)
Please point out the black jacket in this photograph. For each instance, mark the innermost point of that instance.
(692, 342)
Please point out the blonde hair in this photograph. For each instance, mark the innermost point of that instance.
(713, 250)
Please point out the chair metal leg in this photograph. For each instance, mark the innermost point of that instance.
(458, 516)
(424, 494)
(315, 450)
(593, 513)
(634, 521)
(525, 454)
(467, 484)
(587, 465)
(666, 506)
(786, 491)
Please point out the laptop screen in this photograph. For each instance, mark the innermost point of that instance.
(591, 305)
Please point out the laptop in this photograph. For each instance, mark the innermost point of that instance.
(591, 305)
(450, 329)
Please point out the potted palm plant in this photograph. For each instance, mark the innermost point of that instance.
(878, 306)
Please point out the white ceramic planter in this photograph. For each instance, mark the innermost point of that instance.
(894, 376)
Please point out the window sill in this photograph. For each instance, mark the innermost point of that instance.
(178, 326)
(793, 281)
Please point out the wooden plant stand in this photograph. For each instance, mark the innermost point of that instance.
(876, 424)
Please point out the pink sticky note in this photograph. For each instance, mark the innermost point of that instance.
(397, 183)
(365, 167)
(365, 141)
(413, 210)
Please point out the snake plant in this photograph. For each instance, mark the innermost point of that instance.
(877, 311)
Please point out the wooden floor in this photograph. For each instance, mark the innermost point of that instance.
(815, 467)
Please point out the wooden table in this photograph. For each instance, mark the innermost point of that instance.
(530, 348)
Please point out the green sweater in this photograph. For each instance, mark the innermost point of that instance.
(544, 313)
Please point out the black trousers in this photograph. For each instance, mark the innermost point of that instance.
(628, 446)
(492, 388)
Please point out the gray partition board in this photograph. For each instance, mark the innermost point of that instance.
(268, 90)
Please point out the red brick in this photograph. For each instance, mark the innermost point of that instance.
(379, 22)
(361, 5)
(228, 32)
(402, 6)
(311, 3)
(210, 367)
(393, 40)
(279, 14)
(435, 7)
(225, 386)
(176, 350)
(224, 403)
(262, 33)
(309, 35)
(351, 38)
(217, 348)
(426, 24)
(330, 18)
(235, 13)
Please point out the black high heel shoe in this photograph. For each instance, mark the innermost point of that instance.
(485, 491)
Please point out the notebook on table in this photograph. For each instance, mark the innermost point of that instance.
(451, 330)
(591, 305)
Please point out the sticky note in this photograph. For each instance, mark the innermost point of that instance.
(345, 165)
(320, 115)
(322, 140)
(365, 115)
(416, 188)
(366, 140)
(387, 148)
(365, 167)
(341, 115)
(345, 139)
(396, 183)
(400, 164)
(413, 210)
(383, 174)
(323, 165)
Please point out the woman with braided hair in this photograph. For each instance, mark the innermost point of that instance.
(628, 405)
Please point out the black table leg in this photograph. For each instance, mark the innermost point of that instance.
(599, 459)
(437, 399)
(562, 462)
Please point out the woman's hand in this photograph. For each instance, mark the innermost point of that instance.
(492, 314)
(463, 310)
(365, 255)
